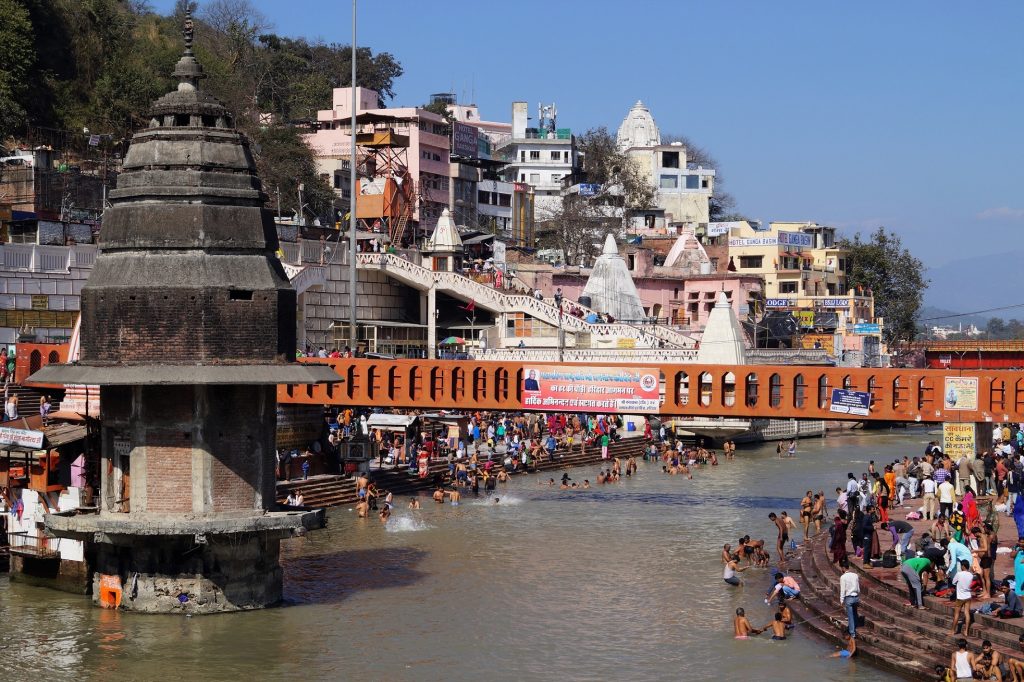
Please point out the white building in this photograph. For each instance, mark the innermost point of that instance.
(682, 189)
(539, 156)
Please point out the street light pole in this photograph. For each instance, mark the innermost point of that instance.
(561, 337)
(352, 200)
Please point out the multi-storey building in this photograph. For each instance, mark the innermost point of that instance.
(682, 189)
(540, 157)
(420, 146)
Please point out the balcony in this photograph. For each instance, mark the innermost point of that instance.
(46, 259)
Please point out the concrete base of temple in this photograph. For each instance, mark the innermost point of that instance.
(52, 572)
(176, 575)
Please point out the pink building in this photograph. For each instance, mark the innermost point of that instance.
(681, 300)
(426, 158)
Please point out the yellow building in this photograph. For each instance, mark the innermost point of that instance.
(806, 293)
(795, 259)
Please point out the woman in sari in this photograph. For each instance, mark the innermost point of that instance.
(838, 543)
(971, 517)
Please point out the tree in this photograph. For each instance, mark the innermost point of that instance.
(284, 161)
(16, 60)
(881, 265)
(621, 180)
(722, 204)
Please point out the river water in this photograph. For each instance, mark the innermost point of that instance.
(618, 581)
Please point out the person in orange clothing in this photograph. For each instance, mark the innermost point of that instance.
(890, 480)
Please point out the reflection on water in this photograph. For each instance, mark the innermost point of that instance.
(619, 580)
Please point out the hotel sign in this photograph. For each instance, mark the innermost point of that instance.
(834, 303)
(781, 239)
(464, 140)
(778, 302)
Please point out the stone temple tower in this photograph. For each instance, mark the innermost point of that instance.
(188, 325)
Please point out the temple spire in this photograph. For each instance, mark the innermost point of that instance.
(188, 69)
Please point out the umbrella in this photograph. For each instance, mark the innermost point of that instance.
(452, 341)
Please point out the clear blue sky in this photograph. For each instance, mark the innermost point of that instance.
(906, 113)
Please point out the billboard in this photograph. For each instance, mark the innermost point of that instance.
(464, 142)
(796, 239)
(960, 393)
(498, 252)
(589, 189)
(867, 328)
(857, 403)
(716, 229)
(958, 439)
(619, 390)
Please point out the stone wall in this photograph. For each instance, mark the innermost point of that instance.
(175, 575)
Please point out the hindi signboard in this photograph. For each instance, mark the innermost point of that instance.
(958, 439)
(619, 390)
(22, 437)
(960, 393)
(857, 403)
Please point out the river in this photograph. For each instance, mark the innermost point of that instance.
(618, 581)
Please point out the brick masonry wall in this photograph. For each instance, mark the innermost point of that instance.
(168, 472)
(189, 325)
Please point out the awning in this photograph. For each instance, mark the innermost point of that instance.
(479, 239)
(391, 422)
(62, 434)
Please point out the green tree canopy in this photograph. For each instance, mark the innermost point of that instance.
(881, 264)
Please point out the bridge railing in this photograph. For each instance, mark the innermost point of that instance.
(741, 391)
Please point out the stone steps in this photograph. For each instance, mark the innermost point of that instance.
(334, 491)
(898, 636)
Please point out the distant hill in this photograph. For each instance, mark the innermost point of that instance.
(950, 318)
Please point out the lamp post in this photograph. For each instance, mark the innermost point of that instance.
(561, 338)
(352, 197)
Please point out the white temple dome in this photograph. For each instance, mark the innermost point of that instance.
(611, 288)
(445, 238)
(638, 129)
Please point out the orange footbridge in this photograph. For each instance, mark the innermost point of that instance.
(690, 390)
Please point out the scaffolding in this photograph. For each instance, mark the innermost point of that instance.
(386, 188)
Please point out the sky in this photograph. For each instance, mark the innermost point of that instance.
(856, 114)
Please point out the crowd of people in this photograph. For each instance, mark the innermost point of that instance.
(952, 555)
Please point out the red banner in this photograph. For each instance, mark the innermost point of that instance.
(619, 390)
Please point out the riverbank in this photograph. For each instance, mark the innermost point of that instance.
(908, 641)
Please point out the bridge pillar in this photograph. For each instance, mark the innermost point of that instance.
(432, 322)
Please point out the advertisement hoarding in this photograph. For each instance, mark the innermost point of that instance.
(618, 390)
(857, 403)
(960, 393)
(958, 439)
(464, 142)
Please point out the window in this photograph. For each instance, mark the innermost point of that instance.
(705, 183)
(751, 262)
(534, 178)
(522, 177)
(504, 200)
(669, 182)
(670, 159)
(556, 156)
(787, 287)
(692, 182)
(483, 197)
(522, 156)
(555, 178)
(535, 156)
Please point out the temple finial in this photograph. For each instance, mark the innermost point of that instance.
(188, 32)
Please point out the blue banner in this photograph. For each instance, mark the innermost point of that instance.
(850, 402)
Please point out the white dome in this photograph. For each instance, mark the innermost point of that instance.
(638, 129)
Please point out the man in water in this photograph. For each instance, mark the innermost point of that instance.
(362, 508)
(731, 569)
(778, 628)
(742, 627)
(414, 503)
(783, 535)
(849, 651)
(455, 496)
